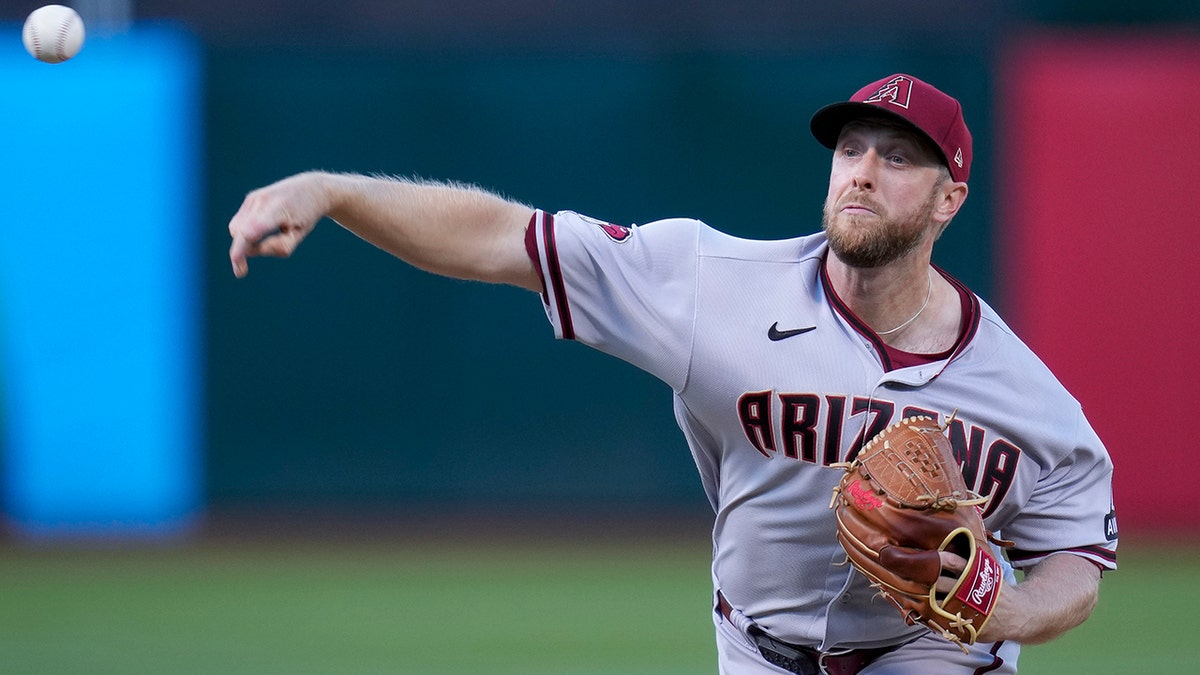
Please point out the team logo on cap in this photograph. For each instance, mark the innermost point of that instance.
(958, 158)
(895, 91)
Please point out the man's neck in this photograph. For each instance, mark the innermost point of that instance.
(907, 303)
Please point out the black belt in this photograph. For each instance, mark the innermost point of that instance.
(804, 660)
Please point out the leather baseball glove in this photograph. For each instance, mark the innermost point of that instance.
(900, 502)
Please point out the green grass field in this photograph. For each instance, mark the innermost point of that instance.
(417, 606)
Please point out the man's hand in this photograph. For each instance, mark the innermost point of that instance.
(273, 220)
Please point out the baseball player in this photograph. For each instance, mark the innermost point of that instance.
(785, 357)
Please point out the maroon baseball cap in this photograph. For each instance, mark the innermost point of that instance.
(912, 102)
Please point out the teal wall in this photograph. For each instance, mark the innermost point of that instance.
(343, 376)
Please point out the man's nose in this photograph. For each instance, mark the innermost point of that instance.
(865, 170)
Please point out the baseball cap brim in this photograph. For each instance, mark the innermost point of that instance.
(827, 123)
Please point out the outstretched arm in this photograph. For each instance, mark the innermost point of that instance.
(452, 230)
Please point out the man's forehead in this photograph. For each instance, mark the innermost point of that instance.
(882, 125)
(891, 130)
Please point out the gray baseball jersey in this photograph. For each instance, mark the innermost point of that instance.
(774, 380)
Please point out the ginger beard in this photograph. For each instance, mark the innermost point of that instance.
(859, 243)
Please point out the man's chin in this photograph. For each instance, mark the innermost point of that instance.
(855, 251)
(859, 260)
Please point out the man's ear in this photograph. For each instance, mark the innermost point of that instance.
(953, 195)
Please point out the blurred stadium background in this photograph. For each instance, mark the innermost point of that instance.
(340, 465)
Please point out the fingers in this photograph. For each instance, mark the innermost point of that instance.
(238, 251)
(247, 240)
(242, 247)
(952, 567)
(952, 562)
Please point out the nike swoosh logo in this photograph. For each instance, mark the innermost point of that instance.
(775, 335)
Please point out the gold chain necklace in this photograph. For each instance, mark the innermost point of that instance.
(928, 294)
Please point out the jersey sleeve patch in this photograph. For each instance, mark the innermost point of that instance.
(618, 233)
(541, 244)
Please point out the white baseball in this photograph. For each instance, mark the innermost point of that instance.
(53, 33)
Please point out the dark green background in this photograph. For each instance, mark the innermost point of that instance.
(343, 374)
(344, 377)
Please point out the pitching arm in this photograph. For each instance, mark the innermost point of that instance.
(452, 230)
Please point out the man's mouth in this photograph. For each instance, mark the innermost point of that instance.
(854, 208)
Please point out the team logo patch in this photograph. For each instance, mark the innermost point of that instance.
(896, 91)
(618, 233)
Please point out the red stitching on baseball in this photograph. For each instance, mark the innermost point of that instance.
(60, 45)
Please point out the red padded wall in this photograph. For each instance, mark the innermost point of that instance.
(1099, 226)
